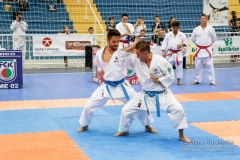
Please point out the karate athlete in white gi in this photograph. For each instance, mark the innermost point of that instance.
(126, 29)
(110, 64)
(174, 49)
(204, 36)
(155, 75)
(19, 28)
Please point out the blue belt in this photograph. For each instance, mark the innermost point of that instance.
(152, 94)
(114, 84)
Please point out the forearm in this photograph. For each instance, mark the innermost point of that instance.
(13, 25)
(24, 26)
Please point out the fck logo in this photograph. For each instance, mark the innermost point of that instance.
(228, 41)
(7, 70)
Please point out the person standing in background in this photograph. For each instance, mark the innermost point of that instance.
(126, 29)
(65, 31)
(112, 24)
(171, 20)
(94, 38)
(203, 36)
(19, 28)
(236, 30)
(174, 49)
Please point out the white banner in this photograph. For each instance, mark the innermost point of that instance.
(223, 46)
(227, 46)
(217, 12)
(60, 45)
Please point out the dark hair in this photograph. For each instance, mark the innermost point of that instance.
(175, 24)
(143, 46)
(113, 32)
(142, 30)
(90, 28)
(156, 16)
(124, 14)
(110, 18)
(203, 15)
(18, 13)
(233, 12)
(170, 20)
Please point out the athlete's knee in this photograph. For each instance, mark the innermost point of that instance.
(177, 108)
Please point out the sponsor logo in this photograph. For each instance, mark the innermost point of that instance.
(8, 69)
(229, 47)
(76, 45)
(47, 41)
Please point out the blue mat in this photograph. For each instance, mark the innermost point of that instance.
(80, 85)
(99, 143)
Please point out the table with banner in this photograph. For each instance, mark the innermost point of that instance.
(11, 69)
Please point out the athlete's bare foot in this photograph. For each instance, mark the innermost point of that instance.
(182, 137)
(121, 134)
(213, 83)
(179, 82)
(82, 129)
(195, 82)
(185, 139)
(150, 129)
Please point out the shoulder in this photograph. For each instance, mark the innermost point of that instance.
(196, 29)
(157, 57)
(182, 33)
(99, 52)
(211, 28)
(120, 23)
(129, 24)
(121, 53)
(169, 34)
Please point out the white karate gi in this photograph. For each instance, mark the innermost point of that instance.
(170, 43)
(162, 69)
(93, 39)
(122, 29)
(115, 70)
(205, 37)
(19, 38)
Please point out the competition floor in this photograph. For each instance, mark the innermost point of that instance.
(39, 122)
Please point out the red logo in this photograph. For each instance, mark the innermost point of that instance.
(47, 42)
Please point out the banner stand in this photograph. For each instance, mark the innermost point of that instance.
(11, 76)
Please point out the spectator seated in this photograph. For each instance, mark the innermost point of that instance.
(23, 5)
